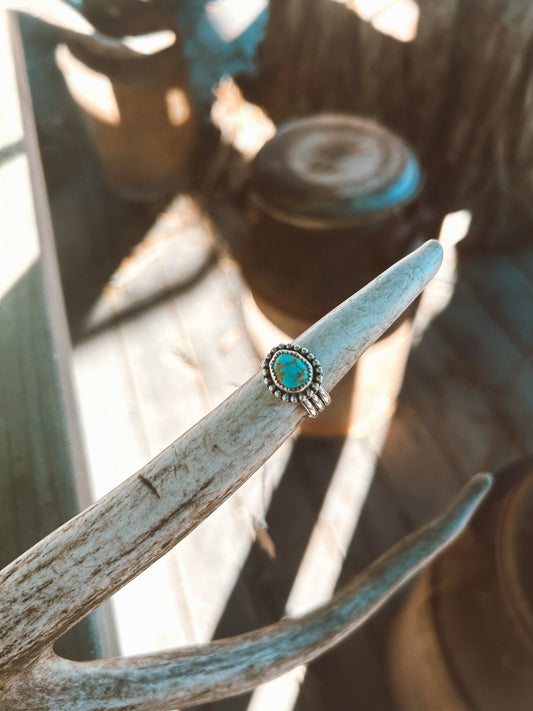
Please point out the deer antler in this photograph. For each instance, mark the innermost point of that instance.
(203, 673)
(66, 575)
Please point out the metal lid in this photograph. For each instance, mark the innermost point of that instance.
(332, 170)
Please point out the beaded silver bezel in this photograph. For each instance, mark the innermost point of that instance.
(280, 391)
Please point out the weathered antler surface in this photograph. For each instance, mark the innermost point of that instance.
(66, 575)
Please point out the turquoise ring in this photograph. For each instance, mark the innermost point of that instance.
(294, 375)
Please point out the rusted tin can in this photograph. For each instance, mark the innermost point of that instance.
(464, 639)
(333, 203)
(140, 114)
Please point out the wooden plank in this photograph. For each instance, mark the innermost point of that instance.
(504, 285)
(115, 437)
(119, 444)
(167, 384)
(420, 475)
(490, 360)
(211, 319)
(358, 666)
(458, 413)
(136, 374)
(170, 399)
(172, 254)
(413, 479)
(354, 675)
(41, 459)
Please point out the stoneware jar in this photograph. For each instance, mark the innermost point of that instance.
(332, 205)
(140, 114)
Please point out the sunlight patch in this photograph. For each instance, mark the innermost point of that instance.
(231, 18)
(397, 18)
(243, 125)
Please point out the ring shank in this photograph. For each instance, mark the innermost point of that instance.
(316, 402)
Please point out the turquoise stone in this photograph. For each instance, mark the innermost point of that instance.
(291, 371)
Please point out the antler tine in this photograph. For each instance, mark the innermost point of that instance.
(66, 575)
(223, 668)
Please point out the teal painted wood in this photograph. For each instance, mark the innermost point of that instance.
(210, 54)
(41, 460)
